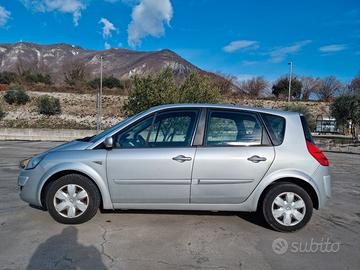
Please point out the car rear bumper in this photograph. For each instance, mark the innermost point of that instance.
(322, 180)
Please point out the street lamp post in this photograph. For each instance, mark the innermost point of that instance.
(290, 77)
(99, 98)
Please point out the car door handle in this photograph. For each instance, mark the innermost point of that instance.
(256, 159)
(181, 158)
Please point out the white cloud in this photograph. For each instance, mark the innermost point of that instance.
(333, 48)
(148, 19)
(107, 27)
(73, 7)
(241, 44)
(107, 45)
(4, 16)
(277, 55)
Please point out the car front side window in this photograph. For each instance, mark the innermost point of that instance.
(135, 136)
(173, 129)
(168, 129)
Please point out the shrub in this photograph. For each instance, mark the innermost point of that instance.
(109, 82)
(7, 77)
(35, 77)
(303, 110)
(16, 96)
(22, 97)
(49, 105)
(10, 96)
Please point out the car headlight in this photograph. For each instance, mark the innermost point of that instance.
(31, 163)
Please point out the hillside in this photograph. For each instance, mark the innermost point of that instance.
(121, 63)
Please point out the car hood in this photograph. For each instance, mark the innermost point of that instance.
(73, 145)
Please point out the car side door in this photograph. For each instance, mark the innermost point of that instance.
(151, 161)
(234, 156)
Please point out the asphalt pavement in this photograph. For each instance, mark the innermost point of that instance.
(31, 239)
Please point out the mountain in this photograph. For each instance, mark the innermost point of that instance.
(122, 63)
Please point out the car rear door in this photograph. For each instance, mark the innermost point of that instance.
(235, 155)
(151, 161)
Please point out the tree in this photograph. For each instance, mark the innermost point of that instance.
(75, 74)
(328, 88)
(355, 85)
(224, 82)
(198, 88)
(304, 110)
(347, 108)
(281, 87)
(254, 87)
(309, 86)
(157, 89)
(151, 90)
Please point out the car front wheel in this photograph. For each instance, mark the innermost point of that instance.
(287, 207)
(72, 199)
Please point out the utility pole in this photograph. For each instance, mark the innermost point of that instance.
(99, 98)
(290, 77)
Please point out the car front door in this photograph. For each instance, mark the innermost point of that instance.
(235, 155)
(151, 161)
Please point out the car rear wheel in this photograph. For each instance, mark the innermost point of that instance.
(72, 199)
(287, 207)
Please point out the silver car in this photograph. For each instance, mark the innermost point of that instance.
(186, 157)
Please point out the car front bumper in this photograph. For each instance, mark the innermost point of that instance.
(29, 182)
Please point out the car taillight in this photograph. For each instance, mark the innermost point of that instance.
(317, 154)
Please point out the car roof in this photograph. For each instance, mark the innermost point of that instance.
(222, 106)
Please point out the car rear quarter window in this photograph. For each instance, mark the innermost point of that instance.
(306, 128)
(276, 127)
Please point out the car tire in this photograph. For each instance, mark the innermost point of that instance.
(72, 199)
(287, 207)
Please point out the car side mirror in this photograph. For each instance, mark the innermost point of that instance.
(108, 142)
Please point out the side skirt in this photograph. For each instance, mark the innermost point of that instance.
(170, 206)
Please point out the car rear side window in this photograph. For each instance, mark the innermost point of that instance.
(227, 128)
(276, 127)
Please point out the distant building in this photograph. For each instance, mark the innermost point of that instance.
(326, 124)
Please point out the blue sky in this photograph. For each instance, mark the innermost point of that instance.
(240, 38)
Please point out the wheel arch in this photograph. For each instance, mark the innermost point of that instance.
(105, 201)
(309, 188)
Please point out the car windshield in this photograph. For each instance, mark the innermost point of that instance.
(115, 127)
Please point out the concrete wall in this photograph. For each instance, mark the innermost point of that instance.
(30, 134)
